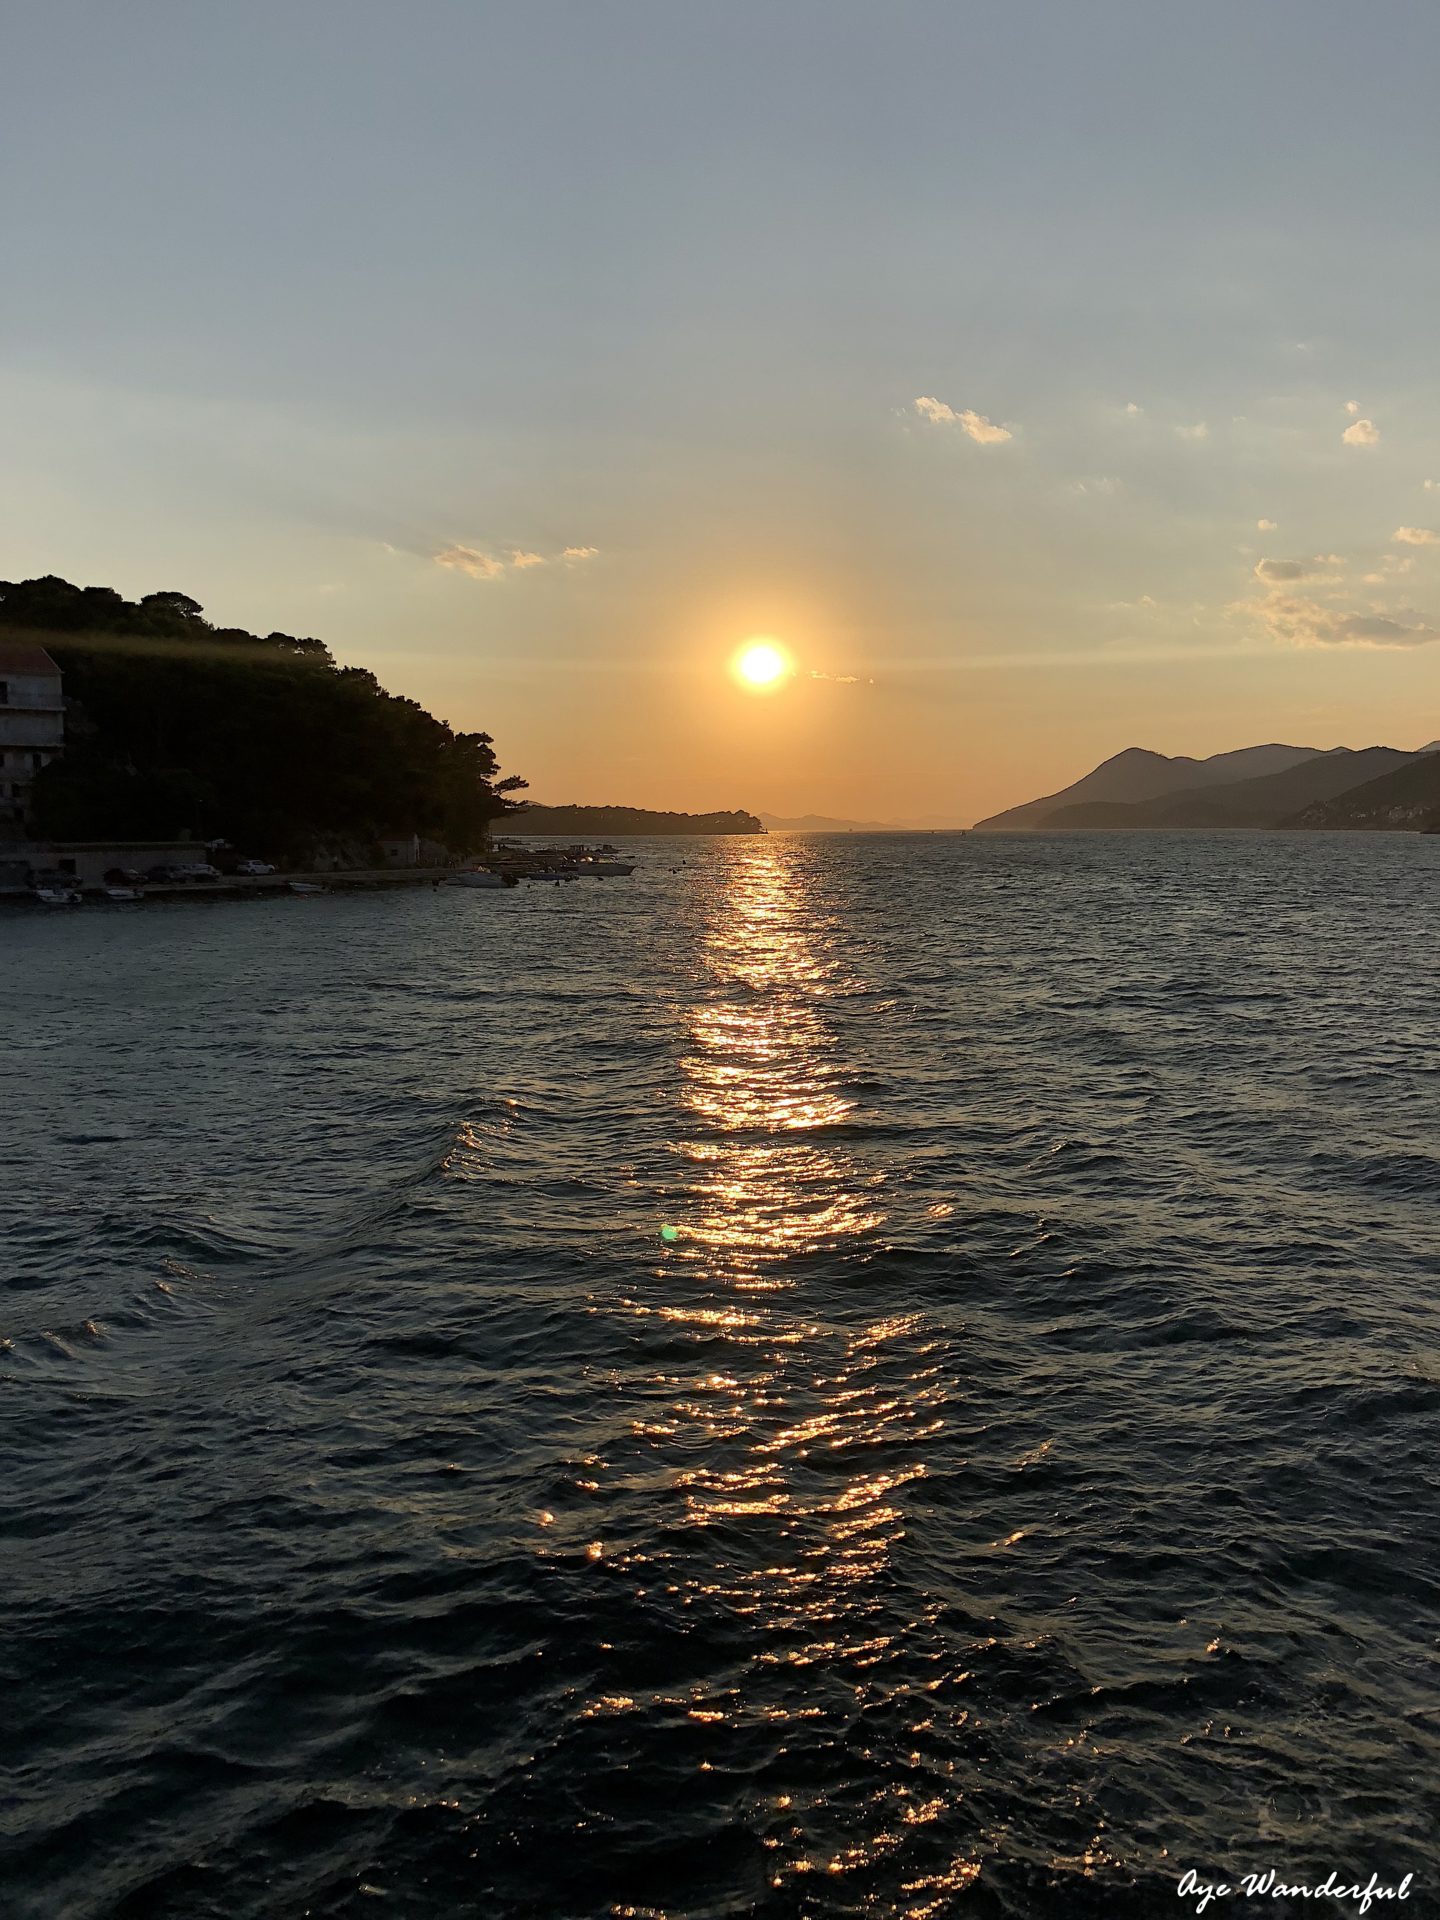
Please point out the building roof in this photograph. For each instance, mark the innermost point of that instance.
(17, 659)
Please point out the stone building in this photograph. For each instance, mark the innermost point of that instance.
(32, 726)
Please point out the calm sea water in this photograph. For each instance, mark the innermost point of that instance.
(862, 1376)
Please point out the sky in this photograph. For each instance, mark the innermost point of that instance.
(1045, 379)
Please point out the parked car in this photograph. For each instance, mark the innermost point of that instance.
(122, 877)
(167, 875)
(198, 870)
(254, 867)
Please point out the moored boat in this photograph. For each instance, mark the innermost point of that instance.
(51, 887)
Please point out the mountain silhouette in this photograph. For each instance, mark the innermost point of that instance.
(1137, 774)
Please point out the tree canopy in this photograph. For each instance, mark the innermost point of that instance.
(175, 726)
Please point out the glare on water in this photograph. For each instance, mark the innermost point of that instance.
(791, 1448)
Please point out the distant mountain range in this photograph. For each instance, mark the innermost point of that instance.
(1408, 797)
(1269, 786)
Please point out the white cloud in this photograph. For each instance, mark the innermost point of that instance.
(1377, 630)
(1417, 536)
(1432, 486)
(1200, 431)
(484, 566)
(1352, 406)
(480, 566)
(981, 430)
(1364, 433)
(1132, 409)
(1266, 526)
(1295, 622)
(1280, 570)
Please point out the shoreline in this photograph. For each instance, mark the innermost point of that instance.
(240, 886)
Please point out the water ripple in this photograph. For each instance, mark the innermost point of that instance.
(858, 1377)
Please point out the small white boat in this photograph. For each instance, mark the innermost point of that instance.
(57, 896)
(476, 877)
(610, 869)
(122, 896)
(305, 886)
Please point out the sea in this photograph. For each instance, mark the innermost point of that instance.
(860, 1375)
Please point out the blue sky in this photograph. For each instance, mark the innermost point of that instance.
(325, 313)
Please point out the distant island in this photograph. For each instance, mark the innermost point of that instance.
(618, 821)
(1300, 788)
(822, 823)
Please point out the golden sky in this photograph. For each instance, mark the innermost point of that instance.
(1045, 379)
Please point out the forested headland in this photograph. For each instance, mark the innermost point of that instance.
(580, 821)
(176, 727)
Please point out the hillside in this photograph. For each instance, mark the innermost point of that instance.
(1267, 801)
(1136, 774)
(1407, 797)
(586, 822)
(176, 727)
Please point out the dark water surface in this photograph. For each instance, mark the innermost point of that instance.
(1014, 1483)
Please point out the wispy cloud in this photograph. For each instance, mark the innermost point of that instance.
(484, 566)
(480, 566)
(984, 432)
(1363, 433)
(1200, 431)
(1417, 536)
(1281, 570)
(1295, 622)
(1352, 406)
(1266, 526)
(1132, 409)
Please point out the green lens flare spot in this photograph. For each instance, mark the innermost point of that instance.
(669, 1235)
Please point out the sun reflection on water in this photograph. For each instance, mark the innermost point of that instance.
(780, 1421)
(763, 1087)
(793, 1446)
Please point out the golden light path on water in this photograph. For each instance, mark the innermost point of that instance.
(792, 1452)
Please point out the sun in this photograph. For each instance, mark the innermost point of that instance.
(761, 666)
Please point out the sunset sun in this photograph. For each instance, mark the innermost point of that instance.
(761, 666)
